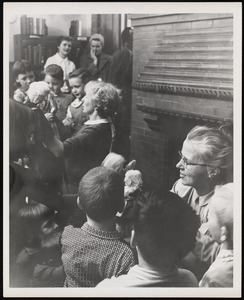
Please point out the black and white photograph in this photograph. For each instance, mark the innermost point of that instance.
(122, 149)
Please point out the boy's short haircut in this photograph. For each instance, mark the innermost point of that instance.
(54, 71)
(63, 38)
(83, 74)
(21, 67)
(164, 223)
(101, 192)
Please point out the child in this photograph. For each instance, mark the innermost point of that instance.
(75, 117)
(38, 97)
(54, 77)
(164, 231)
(61, 59)
(24, 76)
(46, 166)
(36, 223)
(133, 182)
(95, 251)
(220, 273)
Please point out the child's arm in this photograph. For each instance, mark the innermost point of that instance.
(19, 96)
(68, 121)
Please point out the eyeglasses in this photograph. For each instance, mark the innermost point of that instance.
(187, 163)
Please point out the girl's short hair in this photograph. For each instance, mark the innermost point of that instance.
(164, 222)
(83, 74)
(215, 147)
(63, 38)
(30, 217)
(54, 71)
(101, 192)
(21, 67)
(222, 204)
(105, 97)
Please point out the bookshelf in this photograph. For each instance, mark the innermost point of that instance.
(37, 48)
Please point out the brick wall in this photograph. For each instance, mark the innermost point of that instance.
(156, 134)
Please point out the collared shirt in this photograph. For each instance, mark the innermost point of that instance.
(199, 203)
(220, 273)
(67, 65)
(90, 255)
(99, 121)
(140, 277)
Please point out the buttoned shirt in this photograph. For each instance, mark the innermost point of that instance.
(199, 203)
(67, 65)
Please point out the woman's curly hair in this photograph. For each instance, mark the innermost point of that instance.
(105, 97)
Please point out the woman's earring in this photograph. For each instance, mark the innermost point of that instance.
(223, 238)
(223, 233)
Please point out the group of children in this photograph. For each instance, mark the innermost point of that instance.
(126, 236)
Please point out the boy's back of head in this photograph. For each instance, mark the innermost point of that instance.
(164, 224)
(101, 193)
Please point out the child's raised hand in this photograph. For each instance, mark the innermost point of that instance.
(130, 166)
(49, 117)
(68, 122)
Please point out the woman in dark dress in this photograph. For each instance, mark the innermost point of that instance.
(90, 145)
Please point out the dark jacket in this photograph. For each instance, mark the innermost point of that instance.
(102, 70)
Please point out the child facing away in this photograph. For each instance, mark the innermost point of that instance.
(132, 184)
(24, 75)
(165, 230)
(75, 117)
(95, 251)
(220, 273)
(54, 77)
(38, 235)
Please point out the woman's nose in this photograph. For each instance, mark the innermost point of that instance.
(179, 164)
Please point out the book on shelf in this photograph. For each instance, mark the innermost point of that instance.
(33, 26)
(23, 25)
(75, 28)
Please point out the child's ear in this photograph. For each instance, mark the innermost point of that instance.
(223, 234)
(133, 242)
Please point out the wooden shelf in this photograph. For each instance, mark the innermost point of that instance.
(37, 48)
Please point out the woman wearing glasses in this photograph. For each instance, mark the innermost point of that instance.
(206, 160)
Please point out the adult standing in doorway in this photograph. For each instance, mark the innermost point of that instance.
(97, 62)
(121, 77)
